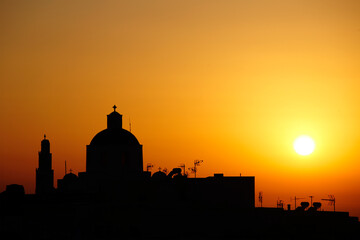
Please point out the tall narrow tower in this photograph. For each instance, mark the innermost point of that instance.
(44, 174)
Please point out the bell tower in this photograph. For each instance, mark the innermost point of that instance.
(114, 120)
(44, 174)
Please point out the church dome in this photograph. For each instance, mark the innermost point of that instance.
(114, 136)
(114, 151)
(70, 177)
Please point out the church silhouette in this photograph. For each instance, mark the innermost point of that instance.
(114, 164)
(115, 199)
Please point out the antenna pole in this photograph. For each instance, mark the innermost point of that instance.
(196, 164)
(130, 124)
(183, 167)
(311, 197)
(195, 170)
(261, 198)
(295, 200)
(331, 200)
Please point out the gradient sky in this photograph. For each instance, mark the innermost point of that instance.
(230, 82)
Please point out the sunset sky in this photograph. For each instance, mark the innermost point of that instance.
(230, 82)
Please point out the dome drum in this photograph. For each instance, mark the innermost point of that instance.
(114, 159)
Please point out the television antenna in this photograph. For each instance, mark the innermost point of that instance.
(129, 124)
(196, 164)
(296, 198)
(149, 166)
(182, 166)
(311, 198)
(331, 200)
(261, 198)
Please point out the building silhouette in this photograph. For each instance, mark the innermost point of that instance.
(44, 173)
(114, 153)
(68, 184)
(114, 166)
(116, 199)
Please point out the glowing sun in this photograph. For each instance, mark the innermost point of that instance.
(304, 145)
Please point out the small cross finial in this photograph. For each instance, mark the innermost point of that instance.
(114, 107)
(44, 136)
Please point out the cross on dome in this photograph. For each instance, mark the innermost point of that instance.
(114, 107)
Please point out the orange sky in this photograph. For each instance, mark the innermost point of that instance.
(229, 82)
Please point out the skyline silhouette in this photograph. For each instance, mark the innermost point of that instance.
(114, 120)
(232, 83)
(115, 197)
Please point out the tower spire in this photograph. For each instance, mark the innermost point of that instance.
(44, 173)
(114, 120)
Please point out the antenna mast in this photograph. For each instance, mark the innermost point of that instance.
(280, 203)
(183, 168)
(260, 198)
(129, 124)
(311, 198)
(296, 198)
(331, 200)
(196, 164)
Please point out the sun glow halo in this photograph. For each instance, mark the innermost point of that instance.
(304, 145)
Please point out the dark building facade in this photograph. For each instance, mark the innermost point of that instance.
(220, 190)
(44, 173)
